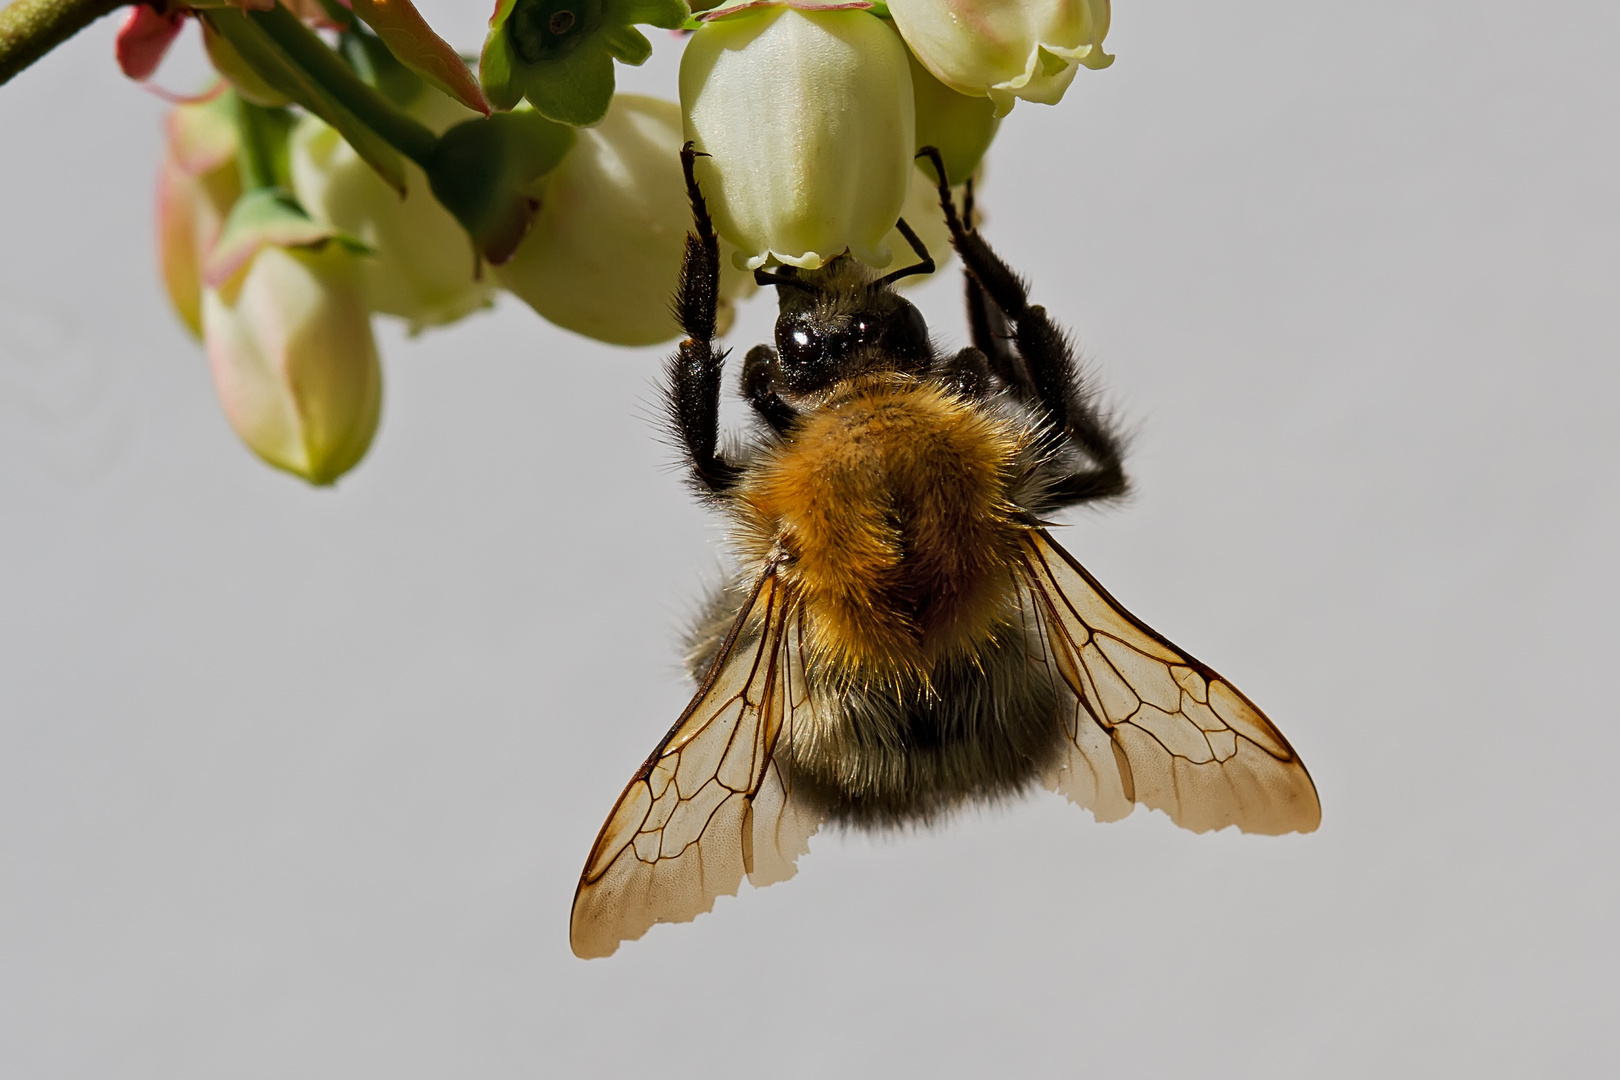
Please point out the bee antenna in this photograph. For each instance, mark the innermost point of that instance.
(771, 277)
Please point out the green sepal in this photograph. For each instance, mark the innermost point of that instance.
(627, 44)
(568, 75)
(269, 216)
(483, 171)
(664, 14)
(575, 89)
(498, 71)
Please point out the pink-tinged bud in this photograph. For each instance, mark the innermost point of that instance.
(1005, 49)
(197, 185)
(145, 38)
(807, 115)
(605, 249)
(290, 346)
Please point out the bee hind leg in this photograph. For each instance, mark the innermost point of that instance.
(693, 373)
(1042, 371)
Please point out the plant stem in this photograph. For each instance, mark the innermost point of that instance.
(413, 139)
(253, 155)
(31, 28)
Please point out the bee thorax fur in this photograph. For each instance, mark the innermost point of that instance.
(893, 504)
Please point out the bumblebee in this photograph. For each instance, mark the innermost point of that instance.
(903, 637)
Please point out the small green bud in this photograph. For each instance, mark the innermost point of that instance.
(559, 53)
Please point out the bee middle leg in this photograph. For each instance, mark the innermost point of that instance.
(693, 373)
(1043, 370)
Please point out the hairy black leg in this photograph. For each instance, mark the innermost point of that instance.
(991, 336)
(759, 375)
(693, 373)
(1048, 359)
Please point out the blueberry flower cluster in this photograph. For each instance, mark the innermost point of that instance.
(350, 164)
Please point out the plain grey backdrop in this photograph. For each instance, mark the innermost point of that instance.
(298, 782)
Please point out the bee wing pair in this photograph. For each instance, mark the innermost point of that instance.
(712, 804)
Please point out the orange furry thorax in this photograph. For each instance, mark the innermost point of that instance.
(892, 501)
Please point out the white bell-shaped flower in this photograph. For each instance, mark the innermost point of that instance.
(1005, 49)
(425, 269)
(604, 252)
(807, 116)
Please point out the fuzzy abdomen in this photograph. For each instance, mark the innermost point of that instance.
(893, 502)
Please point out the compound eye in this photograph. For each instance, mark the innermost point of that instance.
(799, 345)
(906, 335)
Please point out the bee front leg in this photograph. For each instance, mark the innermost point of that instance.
(693, 373)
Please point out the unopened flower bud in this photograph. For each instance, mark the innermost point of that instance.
(604, 253)
(424, 268)
(1005, 49)
(807, 116)
(290, 346)
(197, 184)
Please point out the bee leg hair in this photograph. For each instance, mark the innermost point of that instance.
(693, 373)
(1054, 382)
(968, 373)
(991, 335)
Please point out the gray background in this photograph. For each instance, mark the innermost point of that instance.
(298, 783)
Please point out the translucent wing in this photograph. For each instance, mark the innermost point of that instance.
(712, 803)
(1152, 725)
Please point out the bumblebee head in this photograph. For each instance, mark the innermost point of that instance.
(838, 322)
